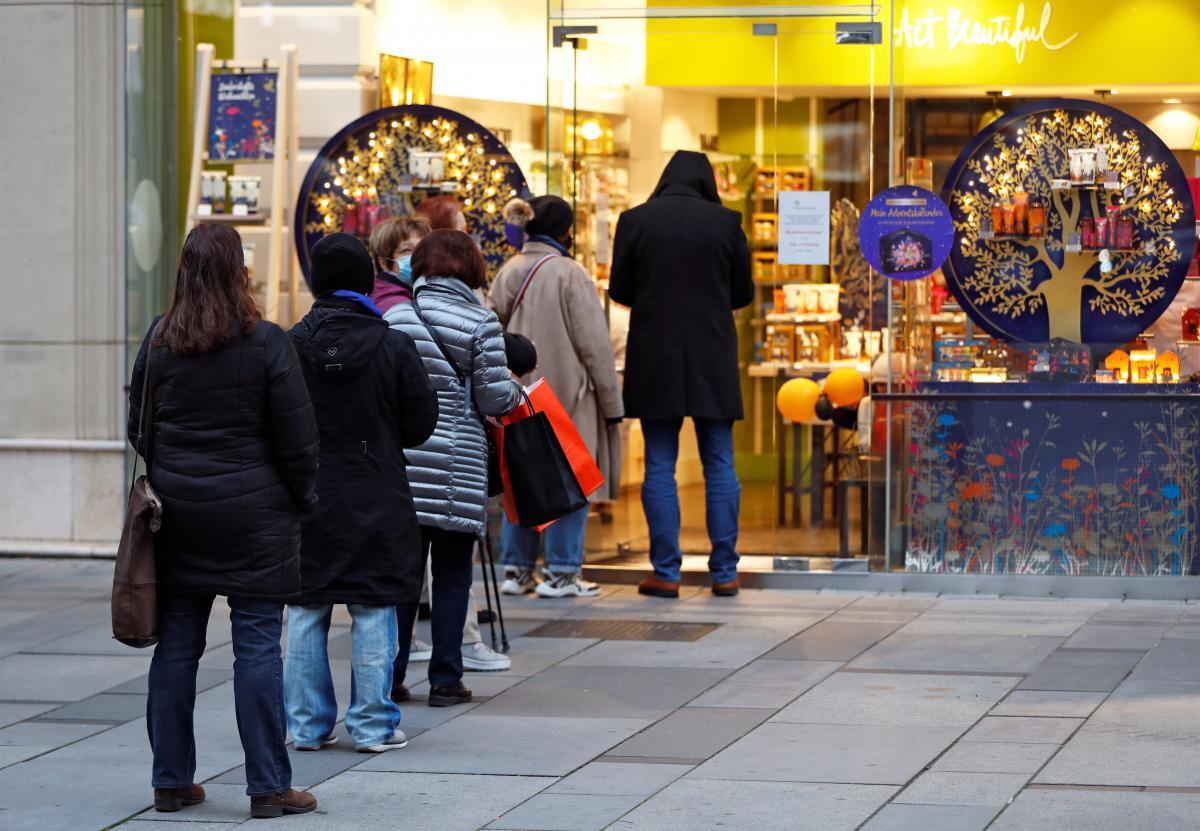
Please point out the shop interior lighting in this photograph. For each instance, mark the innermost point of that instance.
(1172, 100)
(1006, 93)
(591, 129)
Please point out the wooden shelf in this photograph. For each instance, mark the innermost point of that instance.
(253, 218)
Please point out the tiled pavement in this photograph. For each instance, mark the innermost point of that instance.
(799, 711)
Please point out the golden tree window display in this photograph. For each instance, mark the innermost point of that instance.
(387, 162)
(1073, 281)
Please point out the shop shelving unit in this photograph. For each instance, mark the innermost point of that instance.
(282, 269)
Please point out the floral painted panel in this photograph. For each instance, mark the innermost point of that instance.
(1054, 486)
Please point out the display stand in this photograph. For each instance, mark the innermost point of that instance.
(282, 265)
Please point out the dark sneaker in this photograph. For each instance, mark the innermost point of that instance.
(655, 587)
(168, 800)
(290, 801)
(449, 696)
(729, 589)
(400, 694)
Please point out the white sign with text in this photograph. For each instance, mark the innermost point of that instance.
(804, 227)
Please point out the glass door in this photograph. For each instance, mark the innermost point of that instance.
(780, 104)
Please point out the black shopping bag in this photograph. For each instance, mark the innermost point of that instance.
(544, 487)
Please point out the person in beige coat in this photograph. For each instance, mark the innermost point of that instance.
(545, 295)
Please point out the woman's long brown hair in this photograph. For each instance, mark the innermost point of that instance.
(212, 293)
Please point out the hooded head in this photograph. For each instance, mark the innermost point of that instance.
(688, 174)
(552, 217)
(341, 263)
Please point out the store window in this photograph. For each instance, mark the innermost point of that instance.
(1006, 428)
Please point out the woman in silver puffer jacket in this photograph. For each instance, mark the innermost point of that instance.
(462, 345)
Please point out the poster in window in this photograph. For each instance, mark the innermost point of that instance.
(241, 124)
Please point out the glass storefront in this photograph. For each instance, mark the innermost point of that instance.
(1030, 406)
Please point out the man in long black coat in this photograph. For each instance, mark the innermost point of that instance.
(682, 265)
(362, 546)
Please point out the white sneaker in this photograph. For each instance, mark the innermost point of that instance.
(566, 585)
(396, 741)
(479, 657)
(518, 581)
(419, 651)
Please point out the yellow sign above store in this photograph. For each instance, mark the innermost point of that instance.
(941, 43)
(957, 28)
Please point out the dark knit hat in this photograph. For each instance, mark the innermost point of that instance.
(552, 217)
(340, 261)
(521, 353)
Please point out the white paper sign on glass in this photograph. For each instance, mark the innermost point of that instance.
(804, 227)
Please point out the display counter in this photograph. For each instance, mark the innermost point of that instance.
(1069, 478)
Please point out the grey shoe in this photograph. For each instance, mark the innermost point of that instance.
(479, 657)
(325, 742)
(396, 741)
(419, 651)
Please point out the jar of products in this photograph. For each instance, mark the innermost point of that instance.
(1125, 233)
(998, 217)
(1021, 213)
(1037, 219)
(1087, 232)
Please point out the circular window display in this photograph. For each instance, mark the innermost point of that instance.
(387, 162)
(1072, 220)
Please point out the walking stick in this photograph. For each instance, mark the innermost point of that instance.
(490, 566)
(488, 588)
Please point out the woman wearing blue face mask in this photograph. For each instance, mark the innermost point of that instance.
(392, 244)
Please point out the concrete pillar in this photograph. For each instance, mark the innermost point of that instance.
(61, 250)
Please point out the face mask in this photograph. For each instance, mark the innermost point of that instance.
(404, 269)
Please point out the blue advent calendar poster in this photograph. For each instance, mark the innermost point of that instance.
(241, 122)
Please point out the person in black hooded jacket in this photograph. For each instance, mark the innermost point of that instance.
(682, 266)
(362, 546)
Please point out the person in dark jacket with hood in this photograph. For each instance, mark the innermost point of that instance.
(682, 266)
(362, 546)
(232, 452)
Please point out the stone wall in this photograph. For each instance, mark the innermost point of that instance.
(61, 253)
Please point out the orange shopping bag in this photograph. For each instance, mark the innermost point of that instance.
(587, 472)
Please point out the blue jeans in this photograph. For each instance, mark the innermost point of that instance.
(451, 571)
(563, 539)
(311, 703)
(257, 690)
(660, 496)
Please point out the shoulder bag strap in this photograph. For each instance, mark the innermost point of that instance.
(145, 417)
(462, 379)
(527, 281)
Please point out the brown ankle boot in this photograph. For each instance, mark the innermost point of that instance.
(172, 799)
(727, 589)
(658, 588)
(290, 801)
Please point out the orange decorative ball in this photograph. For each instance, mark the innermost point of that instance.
(844, 387)
(797, 399)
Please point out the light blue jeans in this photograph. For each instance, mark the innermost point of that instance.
(564, 544)
(660, 496)
(308, 683)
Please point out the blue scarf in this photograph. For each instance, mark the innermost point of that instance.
(552, 242)
(360, 299)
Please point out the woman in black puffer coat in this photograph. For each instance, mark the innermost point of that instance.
(232, 451)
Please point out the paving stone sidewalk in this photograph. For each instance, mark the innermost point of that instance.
(788, 710)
